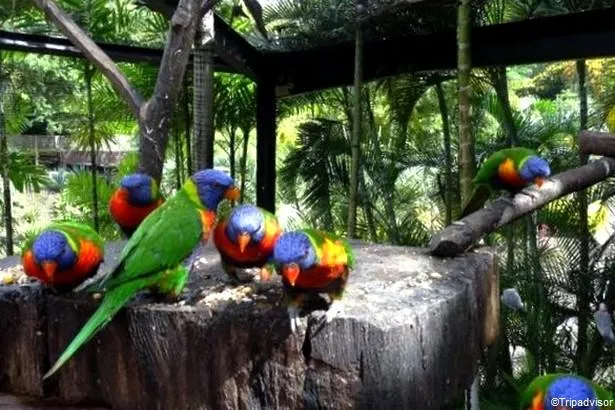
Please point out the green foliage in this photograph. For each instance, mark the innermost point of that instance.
(76, 204)
(24, 174)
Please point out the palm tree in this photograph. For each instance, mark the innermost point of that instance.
(356, 123)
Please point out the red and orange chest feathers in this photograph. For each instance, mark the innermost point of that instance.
(509, 175)
(320, 276)
(254, 252)
(333, 265)
(127, 215)
(88, 260)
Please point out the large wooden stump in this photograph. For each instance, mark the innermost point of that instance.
(409, 337)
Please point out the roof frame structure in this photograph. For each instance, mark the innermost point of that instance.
(582, 35)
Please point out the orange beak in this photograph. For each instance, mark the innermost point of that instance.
(232, 193)
(291, 273)
(243, 239)
(539, 181)
(50, 269)
(265, 275)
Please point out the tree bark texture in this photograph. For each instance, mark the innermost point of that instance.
(467, 163)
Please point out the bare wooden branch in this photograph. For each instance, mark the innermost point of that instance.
(156, 113)
(597, 143)
(93, 53)
(460, 235)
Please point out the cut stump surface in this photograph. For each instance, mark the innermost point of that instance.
(409, 337)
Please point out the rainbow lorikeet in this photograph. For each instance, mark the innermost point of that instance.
(136, 198)
(312, 262)
(245, 239)
(63, 255)
(153, 256)
(559, 391)
(510, 169)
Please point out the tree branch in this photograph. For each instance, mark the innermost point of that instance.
(156, 113)
(93, 53)
(597, 143)
(460, 235)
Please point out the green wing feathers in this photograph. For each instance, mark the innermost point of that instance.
(162, 241)
(520, 154)
(77, 231)
(489, 168)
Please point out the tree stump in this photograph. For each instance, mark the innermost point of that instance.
(409, 337)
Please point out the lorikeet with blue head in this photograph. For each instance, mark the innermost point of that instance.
(136, 198)
(153, 257)
(510, 169)
(312, 262)
(63, 255)
(546, 393)
(245, 239)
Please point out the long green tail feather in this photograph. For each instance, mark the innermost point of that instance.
(112, 302)
(476, 202)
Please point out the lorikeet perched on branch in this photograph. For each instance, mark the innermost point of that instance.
(312, 262)
(136, 198)
(550, 392)
(63, 255)
(245, 239)
(153, 256)
(510, 169)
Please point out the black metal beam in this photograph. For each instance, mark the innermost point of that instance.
(235, 50)
(265, 145)
(42, 44)
(229, 45)
(573, 36)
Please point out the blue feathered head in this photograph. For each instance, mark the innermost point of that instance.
(570, 388)
(142, 189)
(535, 169)
(246, 223)
(213, 186)
(52, 252)
(293, 252)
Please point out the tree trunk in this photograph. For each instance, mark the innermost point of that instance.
(178, 159)
(36, 154)
(188, 127)
(448, 157)
(153, 115)
(356, 132)
(6, 185)
(585, 285)
(367, 209)
(203, 97)
(467, 166)
(500, 83)
(89, 72)
(231, 154)
(244, 163)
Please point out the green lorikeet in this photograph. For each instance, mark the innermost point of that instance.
(153, 256)
(136, 198)
(63, 255)
(312, 262)
(510, 169)
(245, 239)
(559, 391)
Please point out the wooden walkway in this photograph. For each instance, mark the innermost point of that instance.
(11, 402)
